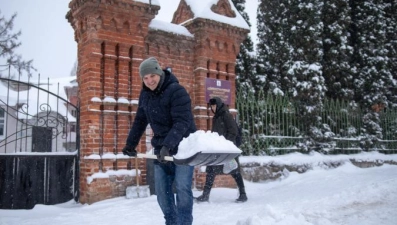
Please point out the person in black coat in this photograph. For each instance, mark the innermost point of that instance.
(166, 106)
(223, 123)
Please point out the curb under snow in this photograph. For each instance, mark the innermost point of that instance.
(268, 168)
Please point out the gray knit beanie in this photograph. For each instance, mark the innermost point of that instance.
(150, 66)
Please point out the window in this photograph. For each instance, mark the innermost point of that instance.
(73, 127)
(2, 123)
(74, 113)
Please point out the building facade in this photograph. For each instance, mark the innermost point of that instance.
(113, 38)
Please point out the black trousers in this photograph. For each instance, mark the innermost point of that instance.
(212, 171)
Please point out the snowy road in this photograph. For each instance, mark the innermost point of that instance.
(346, 195)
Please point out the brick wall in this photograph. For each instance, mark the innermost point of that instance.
(113, 38)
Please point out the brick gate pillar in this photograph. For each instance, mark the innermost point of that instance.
(110, 38)
(217, 45)
(216, 53)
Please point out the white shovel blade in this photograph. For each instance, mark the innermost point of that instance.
(137, 192)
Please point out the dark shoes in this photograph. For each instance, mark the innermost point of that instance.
(203, 198)
(242, 198)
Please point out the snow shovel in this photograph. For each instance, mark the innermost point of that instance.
(199, 158)
(138, 191)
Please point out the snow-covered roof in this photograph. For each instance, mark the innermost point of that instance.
(202, 9)
(153, 2)
(169, 27)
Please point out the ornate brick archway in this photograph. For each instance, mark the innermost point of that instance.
(113, 38)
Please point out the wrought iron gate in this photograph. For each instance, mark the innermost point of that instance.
(39, 142)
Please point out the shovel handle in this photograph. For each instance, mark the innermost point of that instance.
(150, 156)
(136, 171)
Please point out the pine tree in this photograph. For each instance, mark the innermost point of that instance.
(374, 78)
(246, 79)
(339, 49)
(337, 69)
(391, 46)
(8, 44)
(273, 47)
(305, 71)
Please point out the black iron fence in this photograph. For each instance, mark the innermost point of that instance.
(39, 142)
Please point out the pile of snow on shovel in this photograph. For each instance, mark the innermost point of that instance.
(205, 142)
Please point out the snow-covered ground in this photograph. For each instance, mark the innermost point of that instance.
(345, 195)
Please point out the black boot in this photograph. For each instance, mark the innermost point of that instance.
(240, 184)
(209, 181)
(242, 198)
(243, 195)
(203, 198)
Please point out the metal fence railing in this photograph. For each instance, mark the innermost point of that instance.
(271, 126)
(37, 116)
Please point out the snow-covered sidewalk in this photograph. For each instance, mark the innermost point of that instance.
(322, 196)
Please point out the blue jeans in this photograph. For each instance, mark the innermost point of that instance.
(181, 211)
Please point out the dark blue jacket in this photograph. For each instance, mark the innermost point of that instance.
(168, 111)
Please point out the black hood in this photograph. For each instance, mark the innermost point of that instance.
(218, 102)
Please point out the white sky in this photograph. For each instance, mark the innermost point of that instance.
(48, 38)
(347, 195)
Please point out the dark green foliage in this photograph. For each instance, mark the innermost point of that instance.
(337, 50)
(329, 49)
(273, 49)
(373, 83)
(245, 63)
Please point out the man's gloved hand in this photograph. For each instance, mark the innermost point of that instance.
(163, 153)
(127, 150)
